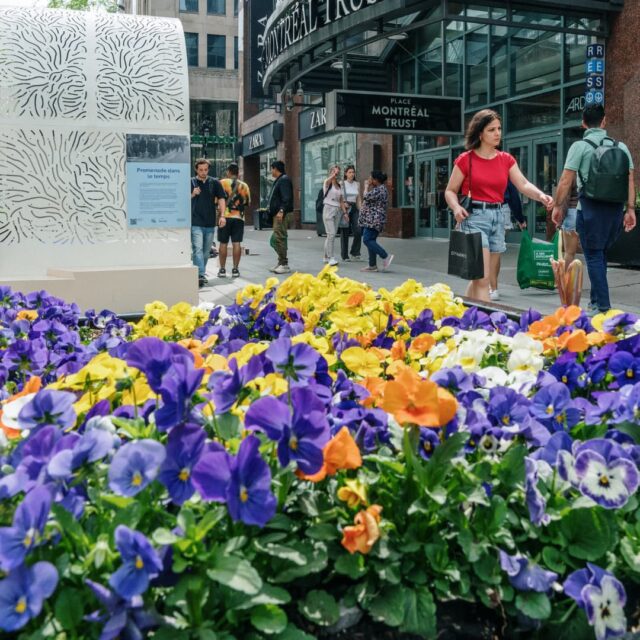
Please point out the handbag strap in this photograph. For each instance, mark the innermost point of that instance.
(470, 167)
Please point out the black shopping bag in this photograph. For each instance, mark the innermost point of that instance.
(465, 255)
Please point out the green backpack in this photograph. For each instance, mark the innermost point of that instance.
(608, 177)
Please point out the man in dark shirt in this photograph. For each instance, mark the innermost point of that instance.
(281, 211)
(207, 194)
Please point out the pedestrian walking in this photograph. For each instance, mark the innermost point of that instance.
(489, 169)
(512, 206)
(207, 204)
(231, 225)
(602, 168)
(373, 217)
(281, 212)
(570, 239)
(353, 201)
(333, 208)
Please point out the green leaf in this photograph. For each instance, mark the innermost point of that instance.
(120, 502)
(236, 573)
(389, 606)
(419, 613)
(269, 618)
(268, 595)
(554, 559)
(320, 608)
(71, 528)
(511, 469)
(351, 565)
(293, 633)
(164, 536)
(323, 532)
(281, 551)
(228, 426)
(208, 521)
(588, 532)
(535, 605)
(440, 462)
(68, 609)
(316, 560)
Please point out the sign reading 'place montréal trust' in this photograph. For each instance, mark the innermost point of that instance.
(398, 113)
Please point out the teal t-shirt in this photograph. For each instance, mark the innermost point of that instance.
(579, 155)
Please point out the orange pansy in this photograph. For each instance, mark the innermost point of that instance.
(399, 350)
(355, 299)
(422, 343)
(33, 385)
(365, 533)
(341, 452)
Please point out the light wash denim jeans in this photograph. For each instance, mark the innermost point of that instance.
(201, 239)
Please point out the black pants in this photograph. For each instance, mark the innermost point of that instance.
(353, 229)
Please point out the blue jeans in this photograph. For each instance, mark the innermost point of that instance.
(598, 224)
(201, 239)
(369, 237)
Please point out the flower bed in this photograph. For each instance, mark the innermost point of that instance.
(317, 458)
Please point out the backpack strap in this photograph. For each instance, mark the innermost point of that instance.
(591, 143)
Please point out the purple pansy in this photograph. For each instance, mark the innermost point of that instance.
(23, 593)
(26, 530)
(178, 385)
(243, 482)
(533, 497)
(184, 447)
(602, 597)
(48, 407)
(301, 435)
(140, 563)
(552, 406)
(134, 466)
(93, 445)
(226, 385)
(124, 618)
(625, 368)
(526, 576)
(297, 362)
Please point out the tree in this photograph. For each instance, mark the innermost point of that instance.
(85, 5)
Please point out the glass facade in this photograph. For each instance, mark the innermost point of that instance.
(215, 6)
(191, 40)
(526, 64)
(266, 181)
(215, 125)
(190, 6)
(318, 155)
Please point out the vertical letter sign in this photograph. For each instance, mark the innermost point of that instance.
(594, 90)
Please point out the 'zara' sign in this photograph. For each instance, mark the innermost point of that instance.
(312, 122)
(256, 141)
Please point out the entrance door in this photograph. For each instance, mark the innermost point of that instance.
(538, 161)
(432, 217)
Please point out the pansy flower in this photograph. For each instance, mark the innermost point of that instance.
(23, 592)
(134, 466)
(553, 407)
(625, 368)
(602, 597)
(534, 499)
(48, 407)
(525, 575)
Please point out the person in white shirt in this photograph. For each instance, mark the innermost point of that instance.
(333, 208)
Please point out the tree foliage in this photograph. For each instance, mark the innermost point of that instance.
(85, 5)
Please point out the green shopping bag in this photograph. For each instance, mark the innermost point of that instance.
(534, 262)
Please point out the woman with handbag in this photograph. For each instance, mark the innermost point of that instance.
(349, 220)
(481, 174)
(372, 218)
(331, 212)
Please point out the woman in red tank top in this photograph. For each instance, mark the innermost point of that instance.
(489, 169)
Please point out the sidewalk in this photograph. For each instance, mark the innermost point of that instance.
(422, 259)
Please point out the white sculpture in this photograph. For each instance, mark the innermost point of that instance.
(72, 86)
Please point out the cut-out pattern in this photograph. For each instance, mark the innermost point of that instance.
(140, 74)
(61, 187)
(42, 64)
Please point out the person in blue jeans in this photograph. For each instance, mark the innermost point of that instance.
(373, 216)
(598, 223)
(208, 203)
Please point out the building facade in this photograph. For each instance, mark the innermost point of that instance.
(525, 60)
(212, 42)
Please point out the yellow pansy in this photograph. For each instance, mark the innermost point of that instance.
(361, 362)
(272, 384)
(598, 320)
(354, 493)
(248, 351)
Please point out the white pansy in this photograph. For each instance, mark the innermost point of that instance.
(494, 377)
(525, 360)
(522, 380)
(605, 608)
(11, 410)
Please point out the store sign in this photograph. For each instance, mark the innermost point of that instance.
(302, 18)
(258, 11)
(394, 113)
(312, 122)
(258, 141)
(595, 67)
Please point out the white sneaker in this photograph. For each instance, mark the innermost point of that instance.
(332, 262)
(282, 268)
(387, 261)
(273, 269)
(356, 258)
(494, 294)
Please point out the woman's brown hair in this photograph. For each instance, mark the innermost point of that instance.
(477, 125)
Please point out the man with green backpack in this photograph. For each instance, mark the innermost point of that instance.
(603, 169)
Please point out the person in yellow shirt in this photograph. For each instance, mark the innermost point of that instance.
(231, 224)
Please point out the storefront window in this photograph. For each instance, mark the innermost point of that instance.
(574, 55)
(217, 124)
(408, 77)
(533, 112)
(535, 59)
(574, 103)
(477, 51)
(499, 62)
(406, 197)
(319, 154)
(265, 176)
(430, 73)
(536, 17)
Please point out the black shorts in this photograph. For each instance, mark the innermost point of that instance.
(233, 230)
